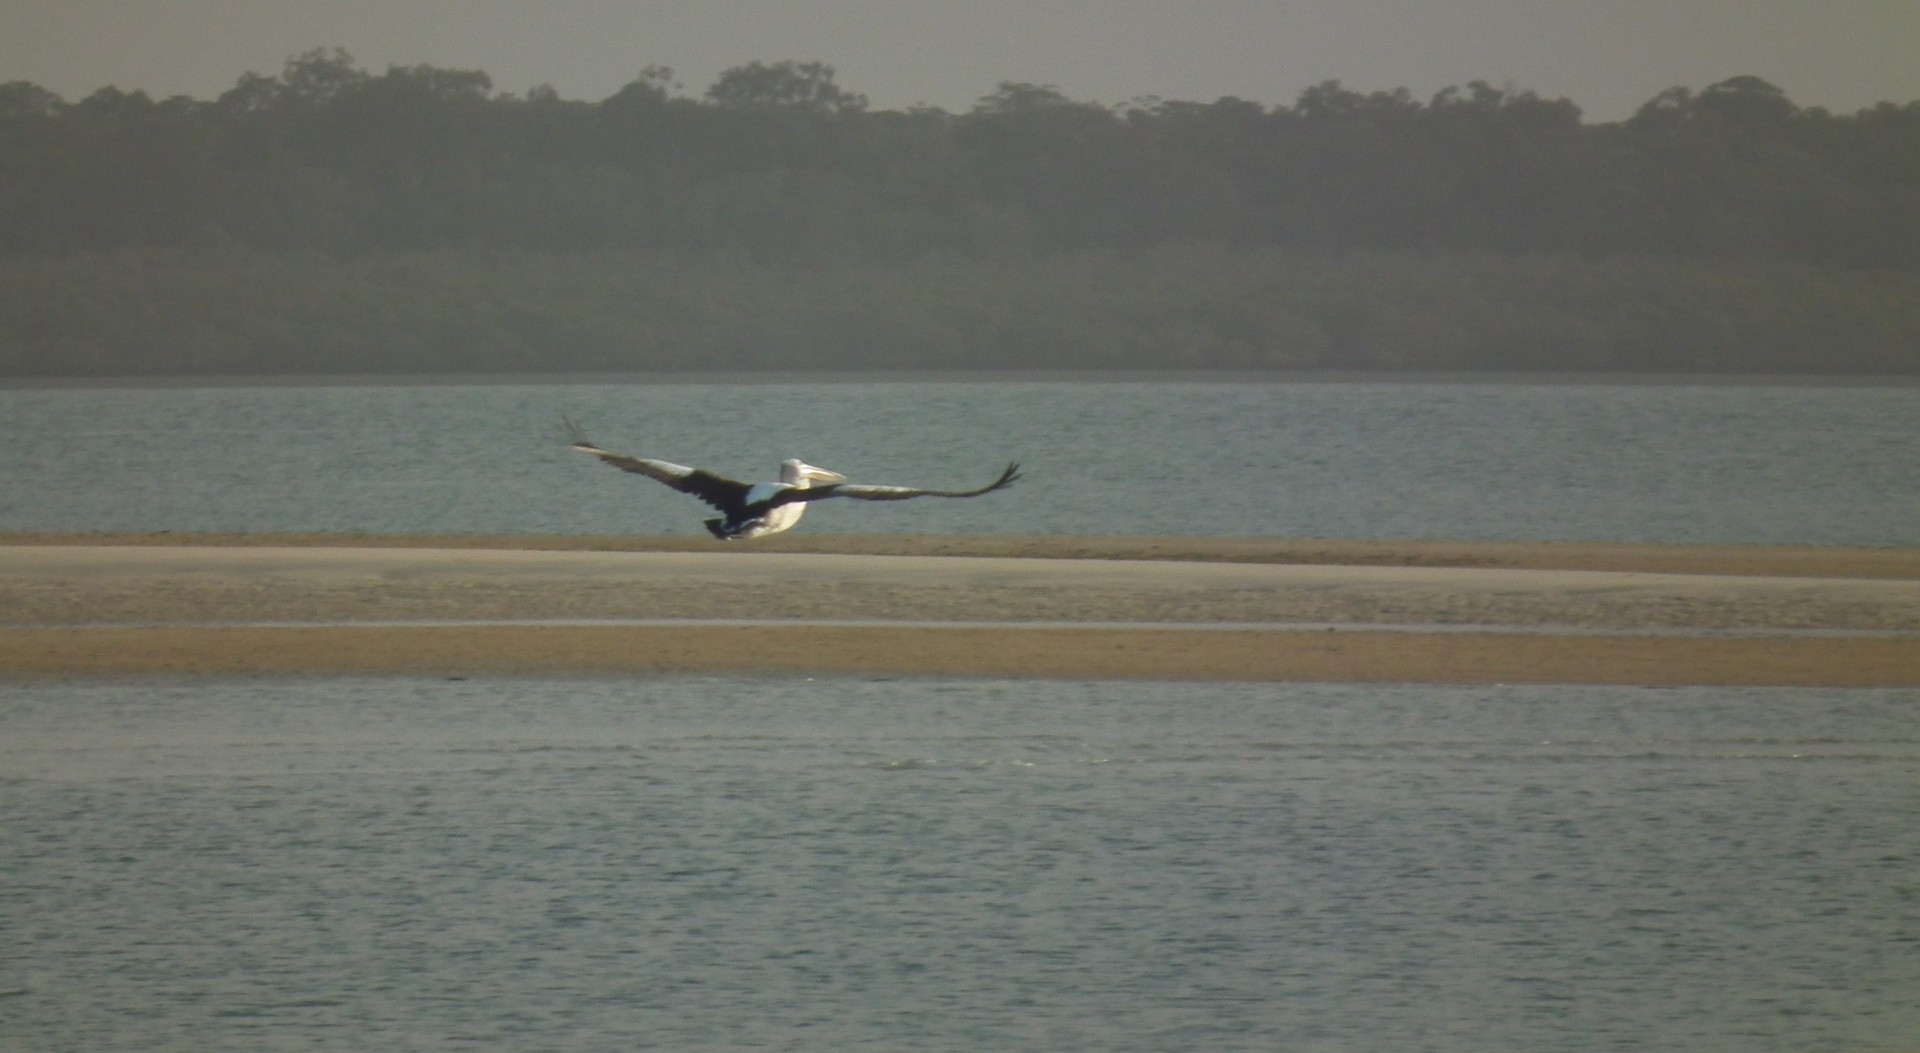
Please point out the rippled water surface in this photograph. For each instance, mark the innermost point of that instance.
(1608, 462)
(723, 863)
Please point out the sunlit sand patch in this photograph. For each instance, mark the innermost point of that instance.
(320, 608)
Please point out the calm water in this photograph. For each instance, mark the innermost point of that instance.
(698, 864)
(1828, 465)
(707, 864)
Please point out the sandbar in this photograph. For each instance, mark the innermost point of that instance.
(1081, 608)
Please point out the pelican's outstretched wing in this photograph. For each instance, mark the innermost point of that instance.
(720, 492)
(865, 492)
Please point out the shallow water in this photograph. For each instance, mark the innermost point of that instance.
(1605, 462)
(727, 863)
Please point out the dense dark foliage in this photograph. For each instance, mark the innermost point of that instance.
(329, 219)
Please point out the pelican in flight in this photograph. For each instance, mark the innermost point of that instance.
(749, 510)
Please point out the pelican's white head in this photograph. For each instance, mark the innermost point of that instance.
(796, 472)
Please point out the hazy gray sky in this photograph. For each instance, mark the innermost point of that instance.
(1607, 55)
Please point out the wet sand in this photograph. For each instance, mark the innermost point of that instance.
(1173, 608)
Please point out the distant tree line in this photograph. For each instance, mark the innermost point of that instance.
(331, 219)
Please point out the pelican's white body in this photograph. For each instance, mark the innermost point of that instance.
(795, 474)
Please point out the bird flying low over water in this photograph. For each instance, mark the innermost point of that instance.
(749, 510)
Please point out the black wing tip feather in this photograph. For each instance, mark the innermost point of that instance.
(576, 435)
(576, 438)
(1007, 478)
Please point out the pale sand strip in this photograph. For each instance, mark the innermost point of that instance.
(164, 587)
(1062, 653)
(1784, 560)
(91, 585)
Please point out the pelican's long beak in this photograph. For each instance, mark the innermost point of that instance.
(821, 475)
